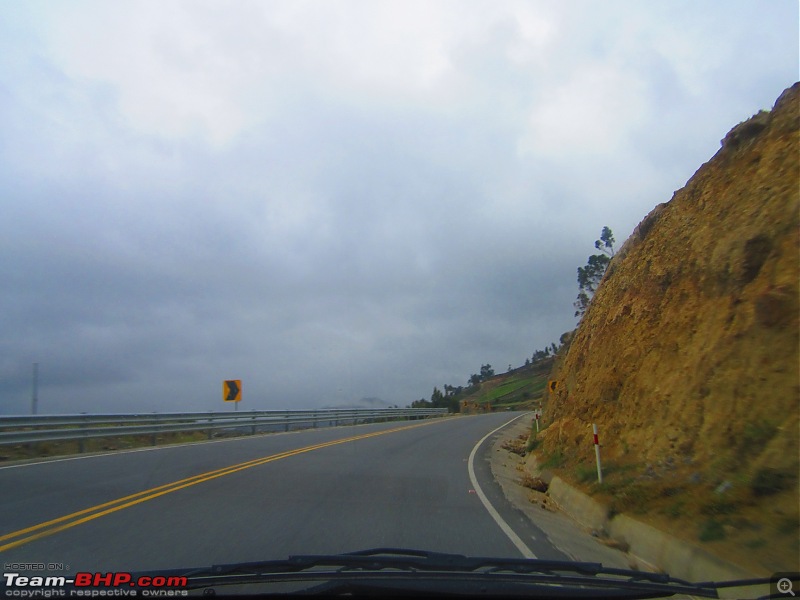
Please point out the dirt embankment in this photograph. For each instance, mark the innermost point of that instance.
(687, 358)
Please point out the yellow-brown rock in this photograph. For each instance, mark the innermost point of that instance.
(688, 354)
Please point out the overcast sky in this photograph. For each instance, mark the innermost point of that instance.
(332, 200)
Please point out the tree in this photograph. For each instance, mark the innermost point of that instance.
(437, 398)
(486, 372)
(581, 304)
(589, 276)
(606, 242)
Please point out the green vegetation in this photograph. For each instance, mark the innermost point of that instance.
(711, 530)
(589, 276)
(586, 473)
(635, 497)
(508, 387)
(676, 509)
(756, 543)
(718, 506)
(768, 481)
(554, 460)
(789, 524)
(518, 389)
(757, 434)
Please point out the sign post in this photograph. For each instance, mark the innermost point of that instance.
(232, 391)
(35, 394)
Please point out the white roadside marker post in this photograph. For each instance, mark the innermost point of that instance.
(597, 454)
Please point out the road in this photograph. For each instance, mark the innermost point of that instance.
(399, 484)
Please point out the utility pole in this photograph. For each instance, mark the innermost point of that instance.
(35, 395)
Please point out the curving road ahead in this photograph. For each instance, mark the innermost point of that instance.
(401, 484)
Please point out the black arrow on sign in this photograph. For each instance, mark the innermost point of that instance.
(233, 391)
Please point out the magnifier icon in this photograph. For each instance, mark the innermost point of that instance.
(785, 586)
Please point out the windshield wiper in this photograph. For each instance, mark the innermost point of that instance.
(383, 569)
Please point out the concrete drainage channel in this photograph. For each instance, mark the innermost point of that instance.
(579, 526)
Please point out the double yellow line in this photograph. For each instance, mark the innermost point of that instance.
(35, 532)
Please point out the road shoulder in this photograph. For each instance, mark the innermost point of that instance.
(562, 532)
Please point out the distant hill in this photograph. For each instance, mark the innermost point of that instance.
(518, 389)
(687, 357)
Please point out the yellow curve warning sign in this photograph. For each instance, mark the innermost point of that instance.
(232, 390)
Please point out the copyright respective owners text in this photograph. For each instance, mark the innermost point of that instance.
(55, 580)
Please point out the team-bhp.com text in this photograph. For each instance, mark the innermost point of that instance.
(93, 585)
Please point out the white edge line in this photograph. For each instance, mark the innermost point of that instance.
(515, 539)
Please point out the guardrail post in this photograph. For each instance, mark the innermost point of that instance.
(314, 419)
(82, 441)
(286, 428)
(253, 429)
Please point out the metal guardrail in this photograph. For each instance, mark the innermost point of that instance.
(30, 429)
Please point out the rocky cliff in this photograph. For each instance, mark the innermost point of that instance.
(687, 358)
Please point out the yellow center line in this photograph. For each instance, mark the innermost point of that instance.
(71, 520)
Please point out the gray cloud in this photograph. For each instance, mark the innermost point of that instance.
(339, 200)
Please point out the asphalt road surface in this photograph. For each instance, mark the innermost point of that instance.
(401, 484)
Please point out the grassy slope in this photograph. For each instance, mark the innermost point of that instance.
(519, 389)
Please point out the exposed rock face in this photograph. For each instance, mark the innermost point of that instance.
(689, 350)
